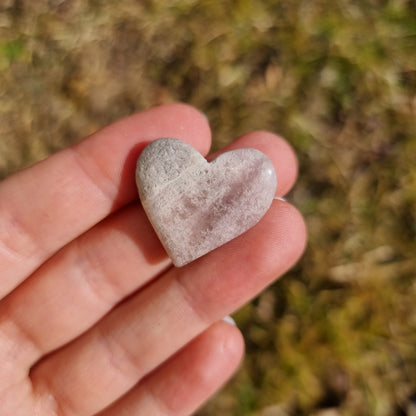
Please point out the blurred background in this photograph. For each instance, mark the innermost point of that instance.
(337, 78)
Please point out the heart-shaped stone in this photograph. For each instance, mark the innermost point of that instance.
(196, 206)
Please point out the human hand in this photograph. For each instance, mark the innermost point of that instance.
(93, 317)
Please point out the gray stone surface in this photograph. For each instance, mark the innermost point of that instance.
(196, 206)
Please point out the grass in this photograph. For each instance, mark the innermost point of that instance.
(337, 78)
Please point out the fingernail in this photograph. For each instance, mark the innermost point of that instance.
(280, 198)
(229, 320)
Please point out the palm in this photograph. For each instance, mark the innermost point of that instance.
(93, 317)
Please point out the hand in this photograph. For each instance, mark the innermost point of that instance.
(93, 317)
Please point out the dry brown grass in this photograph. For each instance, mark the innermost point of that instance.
(338, 79)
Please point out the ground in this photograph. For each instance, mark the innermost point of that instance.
(337, 78)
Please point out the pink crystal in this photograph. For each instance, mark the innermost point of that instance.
(196, 206)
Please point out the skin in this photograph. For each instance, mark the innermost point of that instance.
(94, 319)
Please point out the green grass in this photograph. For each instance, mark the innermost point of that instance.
(338, 80)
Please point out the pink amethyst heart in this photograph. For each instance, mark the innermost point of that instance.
(196, 206)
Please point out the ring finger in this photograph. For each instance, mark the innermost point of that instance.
(184, 382)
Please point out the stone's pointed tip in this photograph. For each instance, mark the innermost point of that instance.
(196, 206)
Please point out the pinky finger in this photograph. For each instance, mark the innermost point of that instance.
(187, 380)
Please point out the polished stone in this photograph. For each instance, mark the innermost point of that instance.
(196, 206)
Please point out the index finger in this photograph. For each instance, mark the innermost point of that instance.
(44, 207)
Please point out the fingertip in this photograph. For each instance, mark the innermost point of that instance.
(203, 366)
(287, 160)
(193, 123)
(176, 120)
(232, 342)
(296, 234)
(112, 152)
(223, 352)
